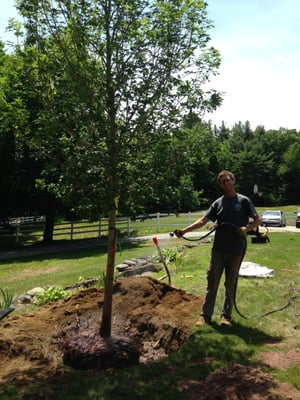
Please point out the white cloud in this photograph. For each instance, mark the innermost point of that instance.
(257, 94)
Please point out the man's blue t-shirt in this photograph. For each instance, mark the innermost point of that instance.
(234, 210)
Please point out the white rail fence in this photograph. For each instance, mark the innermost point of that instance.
(32, 228)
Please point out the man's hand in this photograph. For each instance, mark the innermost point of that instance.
(179, 233)
(242, 230)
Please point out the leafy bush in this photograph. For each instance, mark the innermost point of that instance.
(51, 294)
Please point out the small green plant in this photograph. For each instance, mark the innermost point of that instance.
(179, 259)
(174, 255)
(102, 280)
(51, 294)
(171, 254)
(6, 298)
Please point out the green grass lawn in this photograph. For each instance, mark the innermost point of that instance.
(241, 344)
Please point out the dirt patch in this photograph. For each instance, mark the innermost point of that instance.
(283, 358)
(159, 315)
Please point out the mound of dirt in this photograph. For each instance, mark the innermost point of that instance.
(160, 317)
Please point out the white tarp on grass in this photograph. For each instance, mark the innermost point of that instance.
(251, 269)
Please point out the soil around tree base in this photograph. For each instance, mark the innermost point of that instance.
(88, 350)
(157, 316)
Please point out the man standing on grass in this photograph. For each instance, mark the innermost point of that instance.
(231, 212)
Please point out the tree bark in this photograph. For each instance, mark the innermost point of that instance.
(105, 328)
(50, 219)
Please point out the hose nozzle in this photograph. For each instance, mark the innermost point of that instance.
(175, 233)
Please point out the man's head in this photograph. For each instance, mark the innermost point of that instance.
(224, 177)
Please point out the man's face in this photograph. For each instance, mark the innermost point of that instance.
(226, 183)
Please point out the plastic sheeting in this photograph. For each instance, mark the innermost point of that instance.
(251, 269)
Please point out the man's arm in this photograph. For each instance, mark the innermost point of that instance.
(195, 225)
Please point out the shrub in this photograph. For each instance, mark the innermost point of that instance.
(51, 294)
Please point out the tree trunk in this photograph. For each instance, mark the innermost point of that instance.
(50, 219)
(105, 328)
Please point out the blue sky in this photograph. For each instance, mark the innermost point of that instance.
(259, 41)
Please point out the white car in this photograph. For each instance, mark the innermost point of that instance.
(298, 219)
(273, 218)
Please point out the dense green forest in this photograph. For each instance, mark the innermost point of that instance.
(172, 168)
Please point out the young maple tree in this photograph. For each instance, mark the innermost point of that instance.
(113, 77)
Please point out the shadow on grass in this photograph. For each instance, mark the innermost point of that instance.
(250, 335)
(65, 250)
(208, 349)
